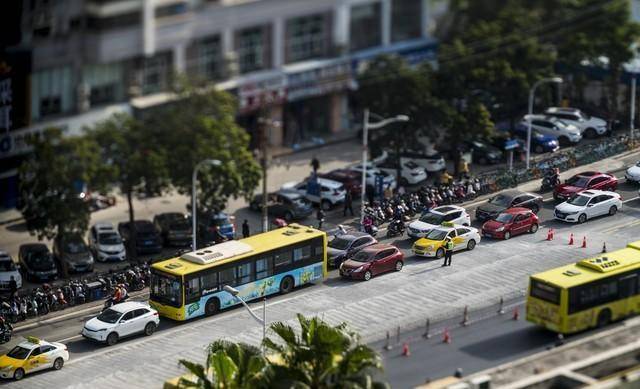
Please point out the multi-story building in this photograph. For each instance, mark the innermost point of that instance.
(293, 60)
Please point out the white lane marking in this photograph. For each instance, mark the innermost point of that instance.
(69, 339)
(628, 200)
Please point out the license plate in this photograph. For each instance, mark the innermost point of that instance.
(148, 242)
(488, 235)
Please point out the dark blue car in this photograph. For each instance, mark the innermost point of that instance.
(211, 220)
(540, 143)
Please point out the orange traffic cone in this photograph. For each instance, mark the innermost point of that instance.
(446, 337)
(571, 240)
(550, 234)
(584, 242)
(516, 314)
(604, 247)
(405, 349)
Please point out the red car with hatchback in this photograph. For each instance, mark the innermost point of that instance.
(511, 222)
(585, 181)
(371, 261)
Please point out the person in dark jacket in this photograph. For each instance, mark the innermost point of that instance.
(348, 203)
(245, 229)
(315, 165)
(320, 217)
(13, 286)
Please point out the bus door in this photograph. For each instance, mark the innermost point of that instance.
(628, 288)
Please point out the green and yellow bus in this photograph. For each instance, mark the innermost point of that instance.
(589, 293)
(272, 262)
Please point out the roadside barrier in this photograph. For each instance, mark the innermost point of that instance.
(571, 240)
(584, 242)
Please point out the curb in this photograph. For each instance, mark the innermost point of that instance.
(69, 312)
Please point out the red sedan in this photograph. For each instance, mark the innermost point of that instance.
(584, 181)
(513, 221)
(371, 261)
(350, 179)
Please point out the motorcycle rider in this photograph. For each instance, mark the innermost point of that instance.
(367, 224)
(552, 176)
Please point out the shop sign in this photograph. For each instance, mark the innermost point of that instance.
(319, 81)
(255, 95)
(19, 142)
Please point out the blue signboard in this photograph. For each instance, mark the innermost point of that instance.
(511, 144)
(379, 185)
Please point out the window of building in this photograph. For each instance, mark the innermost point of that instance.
(95, 23)
(171, 10)
(365, 26)
(153, 73)
(51, 92)
(253, 48)
(105, 83)
(307, 37)
(204, 58)
(406, 19)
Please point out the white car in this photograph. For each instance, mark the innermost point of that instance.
(327, 193)
(372, 173)
(122, 320)
(410, 172)
(587, 205)
(32, 355)
(106, 243)
(8, 269)
(435, 217)
(432, 245)
(589, 126)
(566, 133)
(633, 173)
(431, 162)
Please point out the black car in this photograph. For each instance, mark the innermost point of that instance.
(73, 253)
(286, 205)
(147, 237)
(342, 247)
(36, 262)
(508, 199)
(174, 227)
(483, 153)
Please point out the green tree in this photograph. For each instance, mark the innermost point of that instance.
(229, 366)
(134, 159)
(321, 356)
(49, 184)
(200, 124)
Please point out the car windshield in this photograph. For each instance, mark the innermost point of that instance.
(580, 201)
(363, 256)
(578, 181)
(504, 218)
(40, 260)
(340, 243)
(109, 238)
(437, 235)
(76, 246)
(165, 288)
(18, 353)
(501, 200)
(7, 265)
(432, 218)
(109, 316)
(220, 220)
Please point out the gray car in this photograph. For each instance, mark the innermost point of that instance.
(73, 254)
(343, 247)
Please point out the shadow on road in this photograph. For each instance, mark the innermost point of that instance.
(502, 346)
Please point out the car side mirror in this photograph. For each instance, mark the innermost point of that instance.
(589, 205)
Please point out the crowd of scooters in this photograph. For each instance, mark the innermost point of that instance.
(112, 287)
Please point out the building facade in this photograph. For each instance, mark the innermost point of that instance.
(292, 60)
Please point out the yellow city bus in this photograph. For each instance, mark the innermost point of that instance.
(589, 293)
(276, 261)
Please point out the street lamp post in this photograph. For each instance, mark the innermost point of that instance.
(633, 106)
(366, 126)
(235, 293)
(532, 92)
(194, 177)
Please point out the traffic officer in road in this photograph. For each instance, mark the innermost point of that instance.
(448, 251)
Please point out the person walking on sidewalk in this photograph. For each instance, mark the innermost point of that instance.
(348, 203)
(245, 229)
(463, 169)
(320, 217)
(315, 165)
(448, 251)
(13, 286)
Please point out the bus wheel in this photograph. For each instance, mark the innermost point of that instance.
(211, 307)
(604, 318)
(286, 285)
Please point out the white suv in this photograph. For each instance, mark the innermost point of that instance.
(122, 320)
(388, 180)
(589, 126)
(410, 172)
(8, 269)
(566, 133)
(327, 193)
(435, 217)
(106, 243)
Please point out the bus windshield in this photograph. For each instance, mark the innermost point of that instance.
(166, 288)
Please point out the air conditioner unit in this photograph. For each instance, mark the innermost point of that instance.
(459, 385)
(481, 382)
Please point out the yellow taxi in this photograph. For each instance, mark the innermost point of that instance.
(432, 245)
(32, 355)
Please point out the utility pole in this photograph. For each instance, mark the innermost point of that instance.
(263, 125)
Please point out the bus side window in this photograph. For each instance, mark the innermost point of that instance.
(209, 281)
(301, 253)
(192, 291)
(264, 268)
(282, 259)
(227, 277)
(244, 273)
